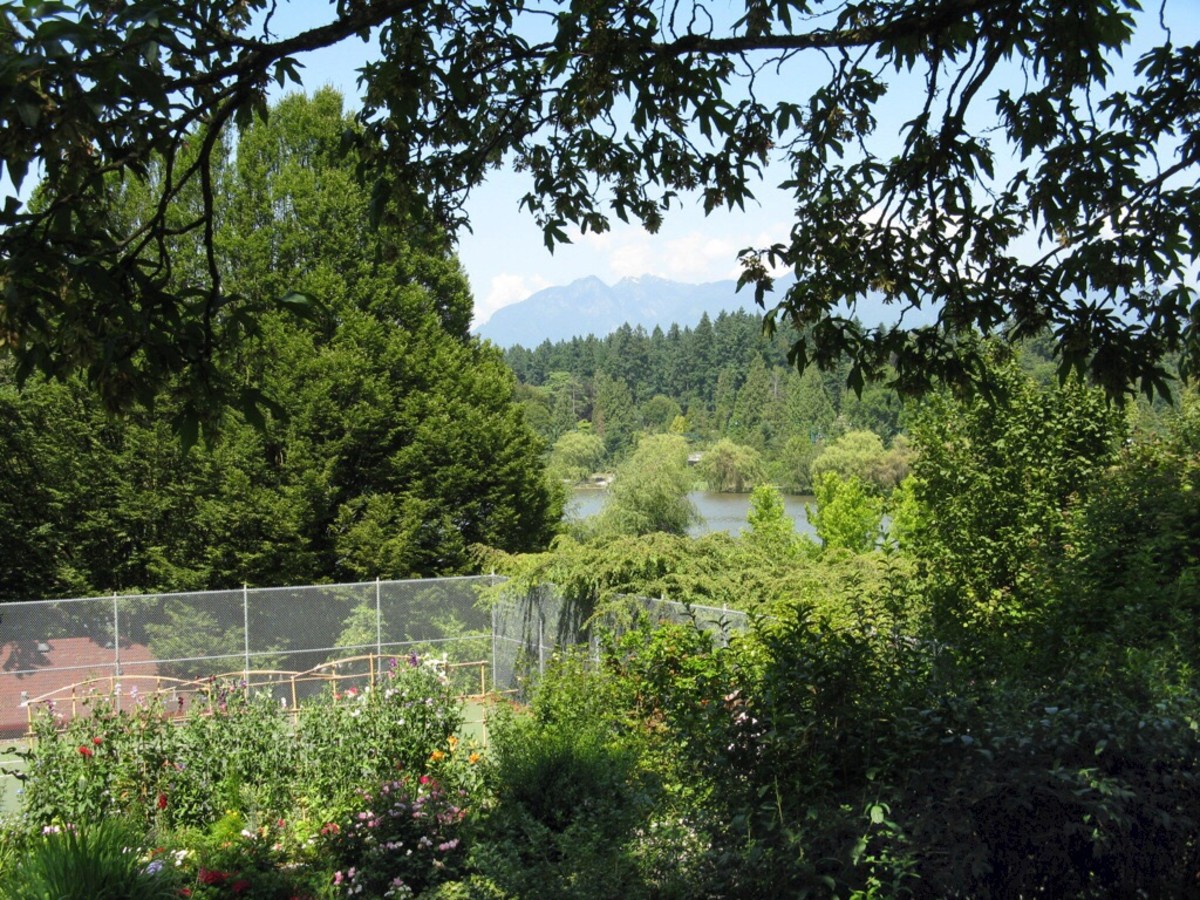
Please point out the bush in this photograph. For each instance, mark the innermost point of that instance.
(568, 794)
(359, 738)
(401, 839)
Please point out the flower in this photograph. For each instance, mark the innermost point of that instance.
(452, 741)
(162, 801)
(240, 886)
(473, 758)
(437, 755)
(211, 876)
(97, 740)
(85, 752)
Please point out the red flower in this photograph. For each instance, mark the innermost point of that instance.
(85, 751)
(240, 886)
(162, 801)
(97, 740)
(211, 876)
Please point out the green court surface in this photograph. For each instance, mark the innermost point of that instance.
(10, 801)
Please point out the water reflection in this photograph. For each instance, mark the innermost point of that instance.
(721, 512)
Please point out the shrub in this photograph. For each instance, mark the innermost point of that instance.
(360, 738)
(402, 838)
(568, 794)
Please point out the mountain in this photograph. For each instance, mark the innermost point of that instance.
(589, 306)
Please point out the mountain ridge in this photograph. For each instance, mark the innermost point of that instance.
(590, 306)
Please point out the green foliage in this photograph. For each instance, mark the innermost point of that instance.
(649, 492)
(860, 454)
(1130, 571)
(995, 480)
(568, 795)
(391, 446)
(367, 736)
(188, 630)
(660, 412)
(847, 515)
(730, 467)
(100, 861)
(459, 86)
(769, 522)
(576, 455)
(402, 838)
(235, 751)
(614, 415)
(904, 512)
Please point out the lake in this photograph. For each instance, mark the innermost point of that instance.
(721, 512)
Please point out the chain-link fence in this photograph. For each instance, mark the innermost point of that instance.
(527, 628)
(49, 645)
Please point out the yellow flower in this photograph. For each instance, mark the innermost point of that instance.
(437, 755)
(453, 741)
(473, 758)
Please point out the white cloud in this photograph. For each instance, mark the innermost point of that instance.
(504, 290)
(694, 256)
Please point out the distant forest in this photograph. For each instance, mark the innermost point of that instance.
(724, 383)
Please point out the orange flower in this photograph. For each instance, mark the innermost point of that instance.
(473, 758)
(437, 755)
(453, 741)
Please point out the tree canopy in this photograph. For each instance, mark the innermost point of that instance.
(399, 446)
(1025, 190)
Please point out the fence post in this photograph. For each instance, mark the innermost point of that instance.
(378, 621)
(246, 627)
(541, 643)
(492, 584)
(116, 635)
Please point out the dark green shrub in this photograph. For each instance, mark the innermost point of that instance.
(568, 794)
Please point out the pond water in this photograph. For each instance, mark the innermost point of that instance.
(720, 512)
